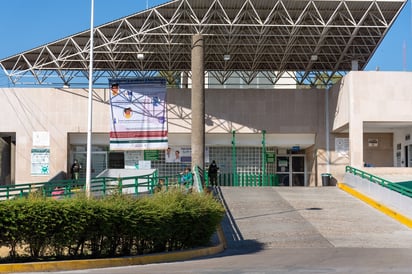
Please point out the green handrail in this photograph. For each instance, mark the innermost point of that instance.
(234, 168)
(135, 184)
(263, 157)
(397, 187)
(247, 179)
(198, 176)
(99, 186)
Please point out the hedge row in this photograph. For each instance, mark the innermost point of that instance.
(114, 226)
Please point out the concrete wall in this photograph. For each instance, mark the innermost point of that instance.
(57, 111)
(378, 154)
(360, 97)
(64, 111)
(374, 98)
(249, 111)
(381, 96)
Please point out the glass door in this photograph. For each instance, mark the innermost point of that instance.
(298, 170)
(408, 156)
(282, 170)
(98, 164)
(291, 170)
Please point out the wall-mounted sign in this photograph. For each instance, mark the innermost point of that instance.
(151, 155)
(342, 146)
(144, 165)
(40, 159)
(373, 142)
(270, 157)
(132, 158)
(41, 139)
(283, 163)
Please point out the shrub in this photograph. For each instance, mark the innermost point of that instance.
(117, 225)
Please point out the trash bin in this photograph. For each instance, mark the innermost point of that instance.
(326, 179)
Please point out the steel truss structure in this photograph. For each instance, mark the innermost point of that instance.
(311, 41)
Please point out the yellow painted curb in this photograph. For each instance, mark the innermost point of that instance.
(113, 262)
(386, 210)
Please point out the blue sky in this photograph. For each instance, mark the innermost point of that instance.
(26, 24)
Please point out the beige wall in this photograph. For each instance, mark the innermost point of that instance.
(361, 97)
(64, 111)
(249, 111)
(57, 111)
(378, 154)
(372, 97)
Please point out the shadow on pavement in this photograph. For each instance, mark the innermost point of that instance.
(235, 243)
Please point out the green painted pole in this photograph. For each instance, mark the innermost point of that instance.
(234, 169)
(263, 157)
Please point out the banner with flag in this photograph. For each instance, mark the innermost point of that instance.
(138, 114)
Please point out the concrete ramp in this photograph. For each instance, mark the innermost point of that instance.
(306, 218)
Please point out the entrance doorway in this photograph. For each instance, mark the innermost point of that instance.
(408, 156)
(7, 159)
(291, 170)
(98, 164)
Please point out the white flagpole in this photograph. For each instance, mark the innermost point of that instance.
(90, 105)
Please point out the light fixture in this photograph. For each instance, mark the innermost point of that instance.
(140, 56)
(226, 57)
(314, 57)
(66, 85)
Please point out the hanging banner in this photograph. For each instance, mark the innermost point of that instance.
(138, 114)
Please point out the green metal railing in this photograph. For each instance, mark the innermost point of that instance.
(198, 178)
(241, 178)
(246, 179)
(102, 186)
(401, 187)
(135, 185)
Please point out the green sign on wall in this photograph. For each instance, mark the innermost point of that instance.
(270, 157)
(151, 155)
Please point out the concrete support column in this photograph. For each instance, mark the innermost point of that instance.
(356, 143)
(355, 130)
(198, 102)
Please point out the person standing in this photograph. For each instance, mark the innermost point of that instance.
(75, 170)
(212, 172)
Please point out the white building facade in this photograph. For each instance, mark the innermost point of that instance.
(362, 119)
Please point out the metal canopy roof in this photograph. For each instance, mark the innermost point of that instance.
(313, 39)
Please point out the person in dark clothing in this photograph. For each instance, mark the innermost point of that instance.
(75, 170)
(212, 172)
